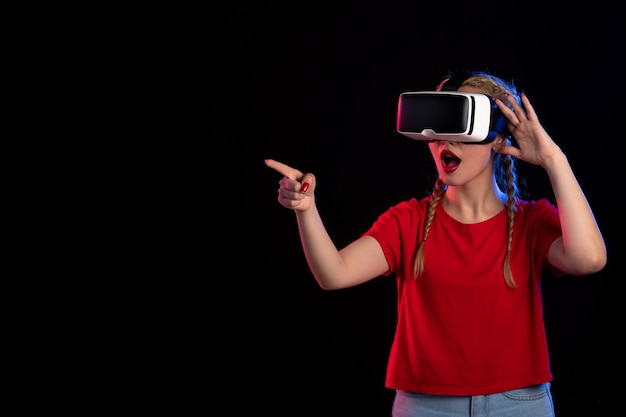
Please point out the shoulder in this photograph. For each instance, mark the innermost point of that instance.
(535, 207)
(405, 213)
(538, 215)
(413, 204)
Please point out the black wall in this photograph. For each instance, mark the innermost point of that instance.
(317, 87)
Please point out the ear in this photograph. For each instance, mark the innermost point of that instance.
(498, 142)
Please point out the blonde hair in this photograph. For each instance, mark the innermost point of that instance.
(504, 170)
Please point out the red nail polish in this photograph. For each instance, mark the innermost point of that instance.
(305, 186)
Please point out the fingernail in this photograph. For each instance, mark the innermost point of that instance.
(305, 186)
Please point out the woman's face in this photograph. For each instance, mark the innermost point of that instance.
(459, 163)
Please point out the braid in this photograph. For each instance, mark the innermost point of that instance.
(511, 192)
(438, 191)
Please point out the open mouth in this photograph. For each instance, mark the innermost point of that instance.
(449, 160)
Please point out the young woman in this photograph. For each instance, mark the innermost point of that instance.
(468, 261)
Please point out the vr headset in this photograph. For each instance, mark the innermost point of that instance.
(449, 116)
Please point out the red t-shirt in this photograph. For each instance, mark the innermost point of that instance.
(460, 329)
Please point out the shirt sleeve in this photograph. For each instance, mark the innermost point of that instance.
(547, 227)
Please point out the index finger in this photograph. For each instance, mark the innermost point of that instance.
(284, 169)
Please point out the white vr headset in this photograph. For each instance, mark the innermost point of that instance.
(449, 116)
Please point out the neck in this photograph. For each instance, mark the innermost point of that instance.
(469, 205)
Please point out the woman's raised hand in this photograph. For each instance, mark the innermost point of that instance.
(296, 188)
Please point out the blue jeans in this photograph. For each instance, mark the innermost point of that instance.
(534, 401)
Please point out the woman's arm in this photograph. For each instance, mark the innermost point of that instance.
(581, 249)
(358, 262)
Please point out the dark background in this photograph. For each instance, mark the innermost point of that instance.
(316, 87)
